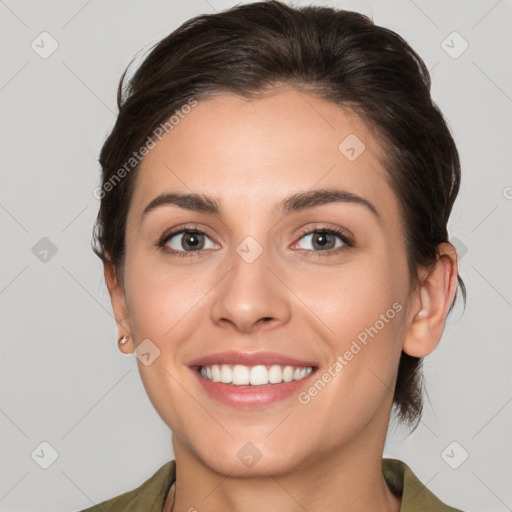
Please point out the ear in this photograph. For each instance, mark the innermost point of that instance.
(119, 307)
(430, 305)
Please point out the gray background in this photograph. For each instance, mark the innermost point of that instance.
(63, 380)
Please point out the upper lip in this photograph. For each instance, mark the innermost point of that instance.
(250, 359)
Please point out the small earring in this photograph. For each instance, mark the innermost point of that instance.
(123, 340)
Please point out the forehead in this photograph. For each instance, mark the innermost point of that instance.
(254, 152)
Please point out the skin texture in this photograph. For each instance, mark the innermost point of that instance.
(249, 155)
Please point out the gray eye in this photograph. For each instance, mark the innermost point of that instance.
(321, 240)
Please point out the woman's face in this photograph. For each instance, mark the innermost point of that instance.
(264, 276)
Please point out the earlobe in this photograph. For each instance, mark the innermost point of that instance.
(433, 299)
(119, 307)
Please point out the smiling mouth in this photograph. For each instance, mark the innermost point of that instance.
(258, 375)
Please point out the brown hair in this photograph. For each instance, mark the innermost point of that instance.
(340, 56)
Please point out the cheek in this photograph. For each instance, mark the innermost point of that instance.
(365, 313)
(363, 306)
(352, 297)
(160, 297)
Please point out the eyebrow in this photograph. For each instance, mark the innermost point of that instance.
(290, 204)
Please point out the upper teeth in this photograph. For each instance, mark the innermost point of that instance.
(241, 375)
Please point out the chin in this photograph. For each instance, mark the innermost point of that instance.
(251, 459)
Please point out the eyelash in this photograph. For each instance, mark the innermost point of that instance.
(347, 241)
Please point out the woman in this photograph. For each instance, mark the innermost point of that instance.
(273, 227)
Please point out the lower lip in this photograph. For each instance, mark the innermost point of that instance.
(248, 396)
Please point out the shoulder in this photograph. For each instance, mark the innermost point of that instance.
(149, 496)
(415, 495)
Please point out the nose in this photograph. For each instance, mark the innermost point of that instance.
(252, 296)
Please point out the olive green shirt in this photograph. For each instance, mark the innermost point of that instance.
(151, 495)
